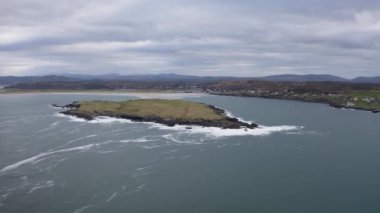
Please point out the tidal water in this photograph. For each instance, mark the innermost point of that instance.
(305, 157)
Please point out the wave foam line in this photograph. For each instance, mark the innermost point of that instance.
(49, 183)
(219, 132)
(112, 196)
(72, 118)
(81, 209)
(99, 119)
(229, 114)
(211, 131)
(44, 154)
(52, 126)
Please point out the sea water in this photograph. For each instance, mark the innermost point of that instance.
(304, 157)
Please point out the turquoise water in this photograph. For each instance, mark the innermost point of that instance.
(305, 158)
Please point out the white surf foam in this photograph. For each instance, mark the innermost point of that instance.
(138, 140)
(105, 120)
(139, 188)
(219, 132)
(99, 119)
(56, 107)
(49, 183)
(50, 153)
(52, 126)
(210, 131)
(229, 114)
(81, 209)
(112, 196)
(175, 138)
(35, 158)
(72, 118)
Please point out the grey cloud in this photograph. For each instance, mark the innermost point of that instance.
(242, 38)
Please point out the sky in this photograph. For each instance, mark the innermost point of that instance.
(191, 37)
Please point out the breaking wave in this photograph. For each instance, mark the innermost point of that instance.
(210, 131)
(219, 132)
(229, 114)
(99, 119)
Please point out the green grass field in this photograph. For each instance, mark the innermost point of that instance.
(173, 109)
(367, 99)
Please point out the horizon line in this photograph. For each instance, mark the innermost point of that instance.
(201, 76)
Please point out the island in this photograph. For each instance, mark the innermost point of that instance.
(167, 112)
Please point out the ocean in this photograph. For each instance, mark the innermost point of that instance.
(304, 157)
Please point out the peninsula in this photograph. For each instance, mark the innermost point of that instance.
(167, 112)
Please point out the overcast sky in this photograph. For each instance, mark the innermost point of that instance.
(193, 37)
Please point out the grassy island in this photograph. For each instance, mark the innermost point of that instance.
(168, 112)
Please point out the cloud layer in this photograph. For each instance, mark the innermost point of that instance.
(194, 37)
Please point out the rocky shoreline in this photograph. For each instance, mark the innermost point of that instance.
(338, 106)
(225, 123)
(321, 101)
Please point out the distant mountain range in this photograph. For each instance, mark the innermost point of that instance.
(303, 78)
(150, 77)
(367, 79)
(12, 80)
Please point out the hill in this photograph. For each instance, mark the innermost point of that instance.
(375, 80)
(304, 78)
(165, 77)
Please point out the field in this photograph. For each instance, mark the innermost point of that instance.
(340, 95)
(366, 99)
(167, 109)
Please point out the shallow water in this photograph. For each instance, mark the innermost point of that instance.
(304, 158)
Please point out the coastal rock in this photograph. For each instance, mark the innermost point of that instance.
(223, 121)
(79, 114)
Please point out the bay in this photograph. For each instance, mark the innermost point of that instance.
(305, 157)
